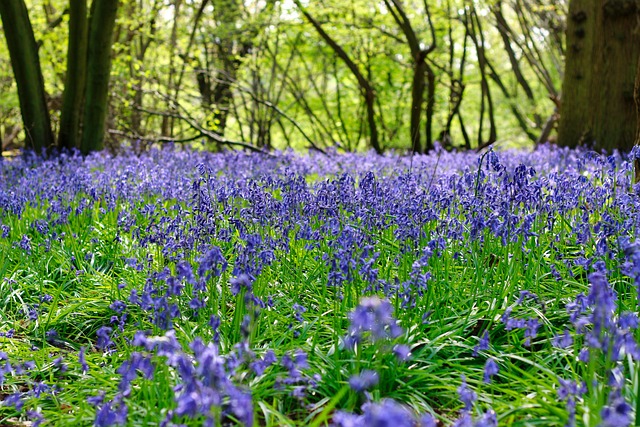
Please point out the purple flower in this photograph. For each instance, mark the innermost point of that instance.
(563, 340)
(570, 388)
(488, 419)
(82, 360)
(466, 395)
(402, 352)
(628, 320)
(51, 335)
(118, 306)
(483, 344)
(298, 310)
(104, 340)
(364, 380)
(36, 417)
(14, 400)
(375, 317)
(531, 330)
(490, 369)
(243, 281)
(128, 371)
(524, 295)
(110, 414)
(97, 399)
(259, 366)
(25, 243)
(427, 420)
(387, 413)
(212, 263)
(618, 413)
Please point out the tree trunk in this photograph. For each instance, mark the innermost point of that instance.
(223, 96)
(636, 97)
(71, 114)
(431, 103)
(26, 69)
(101, 24)
(600, 70)
(417, 101)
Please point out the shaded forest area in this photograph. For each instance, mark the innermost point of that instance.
(356, 75)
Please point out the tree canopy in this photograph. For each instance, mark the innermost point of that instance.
(268, 74)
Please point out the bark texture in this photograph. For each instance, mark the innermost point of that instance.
(26, 69)
(101, 24)
(601, 58)
(71, 114)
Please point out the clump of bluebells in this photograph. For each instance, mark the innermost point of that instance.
(177, 287)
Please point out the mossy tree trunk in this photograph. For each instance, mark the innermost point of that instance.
(600, 70)
(101, 24)
(85, 99)
(28, 74)
(71, 114)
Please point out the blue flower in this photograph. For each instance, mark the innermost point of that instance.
(617, 413)
(402, 352)
(466, 395)
(483, 344)
(243, 281)
(365, 380)
(82, 360)
(375, 317)
(104, 340)
(564, 340)
(490, 369)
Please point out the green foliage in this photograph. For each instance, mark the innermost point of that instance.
(267, 78)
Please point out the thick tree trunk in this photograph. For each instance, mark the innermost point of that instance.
(26, 69)
(636, 97)
(600, 70)
(101, 24)
(417, 101)
(71, 114)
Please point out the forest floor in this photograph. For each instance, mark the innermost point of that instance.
(191, 288)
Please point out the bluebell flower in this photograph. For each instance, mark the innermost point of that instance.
(298, 310)
(243, 281)
(387, 413)
(465, 420)
(524, 295)
(82, 360)
(51, 335)
(375, 317)
(466, 395)
(96, 400)
(490, 369)
(212, 263)
(532, 325)
(15, 399)
(111, 413)
(36, 418)
(483, 344)
(427, 420)
(128, 371)
(563, 340)
(104, 341)
(365, 380)
(488, 419)
(402, 352)
(617, 413)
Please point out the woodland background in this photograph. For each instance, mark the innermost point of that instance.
(354, 75)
